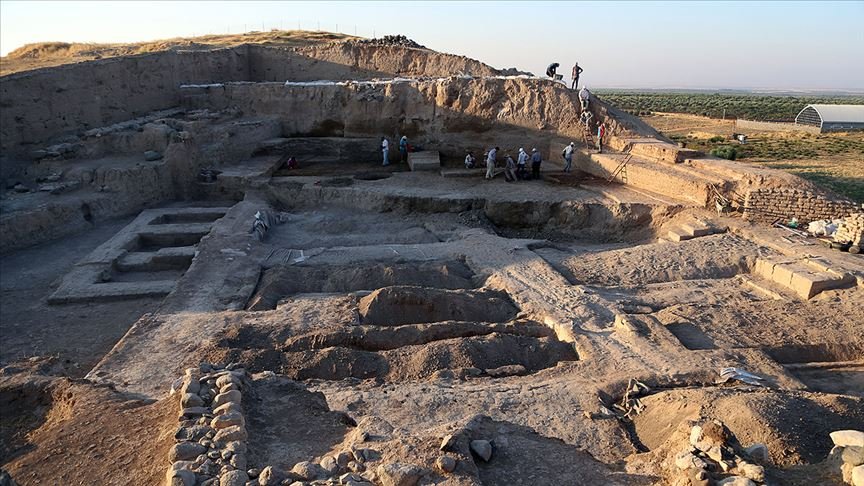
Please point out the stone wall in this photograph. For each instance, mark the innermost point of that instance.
(769, 205)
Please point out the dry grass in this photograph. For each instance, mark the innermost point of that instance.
(833, 160)
(48, 54)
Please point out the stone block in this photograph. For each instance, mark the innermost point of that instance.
(425, 160)
(782, 274)
(679, 235)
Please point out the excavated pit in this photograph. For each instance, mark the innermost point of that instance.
(413, 305)
(284, 281)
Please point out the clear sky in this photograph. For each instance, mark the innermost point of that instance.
(771, 45)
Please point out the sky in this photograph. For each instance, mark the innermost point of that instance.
(710, 45)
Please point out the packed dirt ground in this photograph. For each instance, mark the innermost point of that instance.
(181, 307)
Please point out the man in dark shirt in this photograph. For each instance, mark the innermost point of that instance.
(536, 160)
(575, 75)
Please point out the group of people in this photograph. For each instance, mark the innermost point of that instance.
(513, 170)
(403, 150)
(574, 74)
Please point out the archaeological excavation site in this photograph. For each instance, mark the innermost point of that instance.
(210, 277)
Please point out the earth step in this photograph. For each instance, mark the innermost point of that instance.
(696, 229)
(679, 235)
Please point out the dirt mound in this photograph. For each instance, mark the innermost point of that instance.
(393, 306)
(60, 425)
(792, 424)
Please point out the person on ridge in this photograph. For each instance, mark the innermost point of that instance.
(521, 160)
(403, 149)
(584, 96)
(575, 75)
(550, 71)
(568, 156)
(536, 160)
(490, 163)
(385, 149)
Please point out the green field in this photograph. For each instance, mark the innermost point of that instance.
(716, 105)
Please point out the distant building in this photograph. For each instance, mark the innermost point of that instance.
(832, 118)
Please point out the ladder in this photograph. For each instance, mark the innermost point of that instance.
(589, 137)
(621, 169)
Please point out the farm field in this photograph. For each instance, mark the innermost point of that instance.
(833, 160)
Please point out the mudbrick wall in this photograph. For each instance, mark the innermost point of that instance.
(38, 105)
(769, 205)
(851, 229)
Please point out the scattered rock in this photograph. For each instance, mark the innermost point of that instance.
(227, 379)
(190, 382)
(270, 476)
(686, 460)
(356, 467)
(736, 481)
(152, 155)
(253, 473)
(230, 434)
(238, 460)
(848, 438)
(236, 447)
(227, 397)
(398, 474)
(858, 476)
(508, 370)
(185, 451)
(344, 458)
(448, 442)
(234, 478)
(180, 477)
(21, 188)
(328, 464)
(483, 449)
(227, 420)
(445, 463)
(853, 455)
(194, 411)
(308, 470)
(752, 471)
(759, 453)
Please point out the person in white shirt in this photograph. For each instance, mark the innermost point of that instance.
(490, 163)
(584, 96)
(470, 160)
(521, 161)
(568, 156)
(385, 148)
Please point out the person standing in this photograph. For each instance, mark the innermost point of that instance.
(403, 149)
(568, 156)
(601, 133)
(385, 148)
(521, 160)
(575, 75)
(536, 160)
(490, 163)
